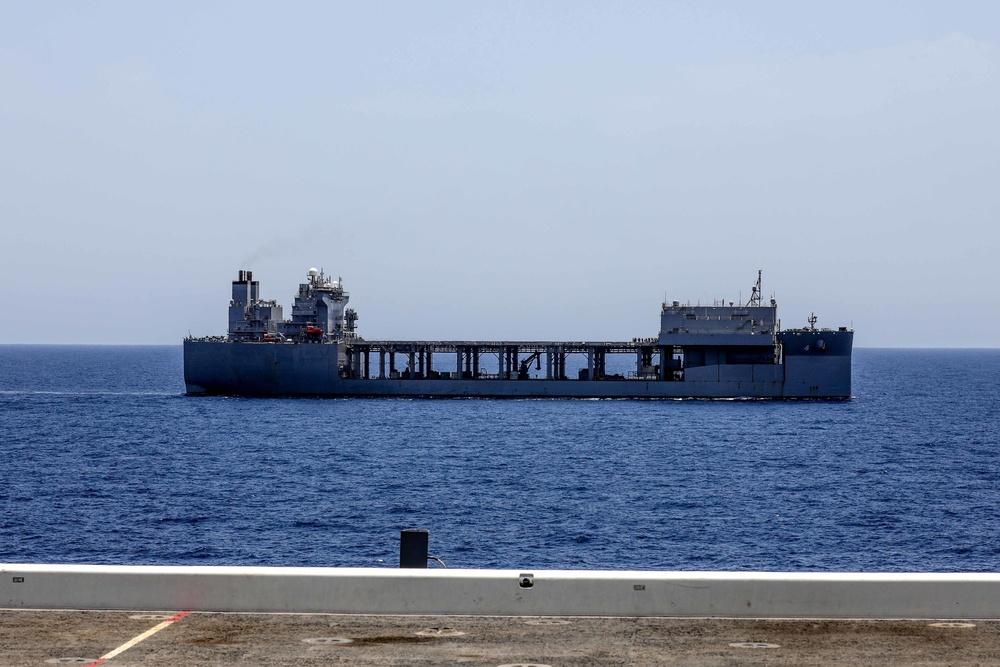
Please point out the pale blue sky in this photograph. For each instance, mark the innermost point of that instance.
(527, 170)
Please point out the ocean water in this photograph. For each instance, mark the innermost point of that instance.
(105, 460)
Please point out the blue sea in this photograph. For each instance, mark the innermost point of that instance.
(104, 459)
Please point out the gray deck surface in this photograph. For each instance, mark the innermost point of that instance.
(55, 637)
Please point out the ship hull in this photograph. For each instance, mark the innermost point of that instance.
(809, 369)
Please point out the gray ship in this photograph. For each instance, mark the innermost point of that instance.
(725, 350)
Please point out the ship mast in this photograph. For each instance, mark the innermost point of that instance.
(756, 293)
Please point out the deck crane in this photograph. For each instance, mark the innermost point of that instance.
(522, 373)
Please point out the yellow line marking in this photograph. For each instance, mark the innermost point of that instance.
(135, 640)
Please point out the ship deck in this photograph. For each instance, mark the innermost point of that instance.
(500, 359)
(30, 637)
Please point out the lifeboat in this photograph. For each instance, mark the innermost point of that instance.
(313, 331)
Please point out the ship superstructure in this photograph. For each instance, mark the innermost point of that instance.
(319, 309)
(723, 350)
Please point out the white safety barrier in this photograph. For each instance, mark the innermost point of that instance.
(501, 592)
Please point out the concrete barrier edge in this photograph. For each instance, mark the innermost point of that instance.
(501, 592)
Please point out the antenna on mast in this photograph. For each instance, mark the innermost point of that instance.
(756, 294)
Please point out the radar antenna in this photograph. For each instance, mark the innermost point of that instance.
(756, 293)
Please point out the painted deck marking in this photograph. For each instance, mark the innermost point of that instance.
(135, 640)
